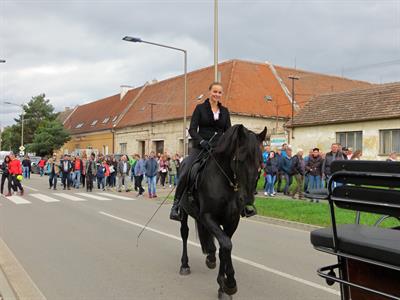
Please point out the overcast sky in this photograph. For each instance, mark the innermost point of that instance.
(72, 50)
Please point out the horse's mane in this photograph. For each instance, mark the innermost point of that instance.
(238, 136)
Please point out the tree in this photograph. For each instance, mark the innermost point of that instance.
(49, 136)
(36, 111)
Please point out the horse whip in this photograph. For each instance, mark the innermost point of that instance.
(151, 218)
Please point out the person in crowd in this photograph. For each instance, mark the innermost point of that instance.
(151, 168)
(66, 170)
(314, 169)
(132, 162)
(158, 157)
(100, 176)
(5, 175)
(349, 153)
(26, 167)
(209, 118)
(90, 172)
(283, 149)
(53, 169)
(173, 165)
(356, 155)
(392, 156)
(139, 172)
(286, 167)
(122, 174)
(280, 175)
(113, 171)
(41, 165)
(163, 165)
(306, 173)
(345, 153)
(15, 170)
(78, 167)
(106, 173)
(178, 161)
(265, 155)
(271, 170)
(83, 174)
(331, 156)
(298, 170)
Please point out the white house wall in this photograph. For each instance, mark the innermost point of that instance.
(171, 133)
(322, 136)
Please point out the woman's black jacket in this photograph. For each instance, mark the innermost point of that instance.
(203, 126)
(272, 166)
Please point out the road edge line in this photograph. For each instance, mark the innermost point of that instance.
(20, 283)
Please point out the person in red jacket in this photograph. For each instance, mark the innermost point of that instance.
(15, 169)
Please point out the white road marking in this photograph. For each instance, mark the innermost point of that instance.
(44, 198)
(116, 196)
(234, 257)
(18, 200)
(94, 196)
(69, 197)
(29, 188)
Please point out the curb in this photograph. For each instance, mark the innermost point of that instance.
(15, 283)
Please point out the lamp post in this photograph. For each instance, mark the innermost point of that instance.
(22, 121)
(139, 40)
(293, 78)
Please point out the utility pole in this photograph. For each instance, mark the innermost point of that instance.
(293, 78)
(151, 116)
(216, 40)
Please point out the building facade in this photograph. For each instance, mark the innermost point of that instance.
(363, 119)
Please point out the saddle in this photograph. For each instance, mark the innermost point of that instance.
(192, 183)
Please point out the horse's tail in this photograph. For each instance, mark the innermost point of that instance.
(206, 239)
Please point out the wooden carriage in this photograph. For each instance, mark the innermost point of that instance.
(368, 257)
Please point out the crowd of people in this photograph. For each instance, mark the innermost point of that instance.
(109, 171)
(311, 172)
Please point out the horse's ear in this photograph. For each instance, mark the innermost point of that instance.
(261, 136)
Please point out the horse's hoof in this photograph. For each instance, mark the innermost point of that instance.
(223, 296)
(228, 290)
(184, 271)
(210, 263)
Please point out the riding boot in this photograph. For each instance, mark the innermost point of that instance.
(175, 213)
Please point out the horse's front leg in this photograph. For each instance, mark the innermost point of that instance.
(228, 284)
(185, 269)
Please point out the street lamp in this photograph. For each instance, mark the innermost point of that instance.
(22, 121)
(293, 78)
(139, 40)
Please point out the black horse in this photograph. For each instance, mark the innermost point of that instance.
(225, 185)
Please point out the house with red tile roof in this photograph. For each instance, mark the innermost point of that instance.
(257, 95)
(366, 119)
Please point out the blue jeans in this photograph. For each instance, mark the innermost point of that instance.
(101, 182)
(53, 180)
(270, 183)
(151, 180)
(25, 171)
(77, 179)
(314, 182)
(170, 179)
(41, 171)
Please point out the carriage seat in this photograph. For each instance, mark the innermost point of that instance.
(374, 243)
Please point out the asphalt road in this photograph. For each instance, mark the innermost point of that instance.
(86, 248)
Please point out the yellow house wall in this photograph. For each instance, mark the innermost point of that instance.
(322, 136)
(95, 141)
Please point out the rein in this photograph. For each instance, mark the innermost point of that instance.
(233, 183)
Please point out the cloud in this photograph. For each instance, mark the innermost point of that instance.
(72, 50)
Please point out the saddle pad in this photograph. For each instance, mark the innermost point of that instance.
(378, 244)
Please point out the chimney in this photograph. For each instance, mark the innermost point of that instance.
(124, 90)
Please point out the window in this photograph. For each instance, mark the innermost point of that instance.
(94, 123)
(351, 139)
(79, 125)
(115, 118)
(106, 120)
(122, 147)
(389, 141)
(159, 145)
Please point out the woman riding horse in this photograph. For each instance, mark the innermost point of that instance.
(209, 121)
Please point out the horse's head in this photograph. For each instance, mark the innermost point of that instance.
(242, 147)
